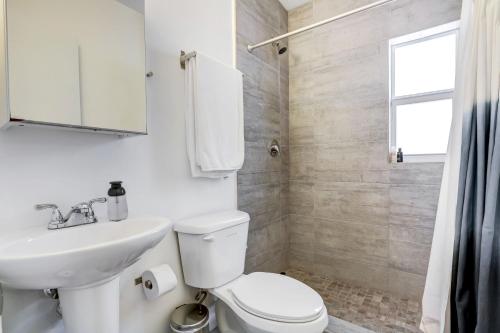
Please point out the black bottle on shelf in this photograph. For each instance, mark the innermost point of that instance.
(400, 155)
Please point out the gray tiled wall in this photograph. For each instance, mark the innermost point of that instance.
(353, 215)
(263, 181)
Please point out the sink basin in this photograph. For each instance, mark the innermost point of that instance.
(82, 262)
(39, 258)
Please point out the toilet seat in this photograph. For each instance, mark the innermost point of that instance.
(277, 297)
(256, 323)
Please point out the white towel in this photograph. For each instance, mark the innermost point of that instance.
(214, 118)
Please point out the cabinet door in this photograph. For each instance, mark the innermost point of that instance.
(113, 67)
(44, 82)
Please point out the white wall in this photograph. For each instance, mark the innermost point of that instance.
(41, 165)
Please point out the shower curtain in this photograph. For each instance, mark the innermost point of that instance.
(462, 291)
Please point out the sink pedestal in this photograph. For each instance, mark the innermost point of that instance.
(83, 263)
(93, 308)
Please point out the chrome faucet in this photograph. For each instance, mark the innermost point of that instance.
(80, 214)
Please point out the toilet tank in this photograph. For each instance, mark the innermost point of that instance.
(213, 248)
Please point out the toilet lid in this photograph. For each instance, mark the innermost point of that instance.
(277, 297)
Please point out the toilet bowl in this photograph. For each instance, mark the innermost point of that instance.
(213, 249)
(269, 303)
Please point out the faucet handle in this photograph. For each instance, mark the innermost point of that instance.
(97, 200)
(90, 204)
(56, 213)
(46, 206)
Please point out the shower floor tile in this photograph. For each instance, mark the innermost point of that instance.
(369, 308)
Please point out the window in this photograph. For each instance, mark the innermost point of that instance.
(422, 83)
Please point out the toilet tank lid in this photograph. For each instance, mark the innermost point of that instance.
(207, 223)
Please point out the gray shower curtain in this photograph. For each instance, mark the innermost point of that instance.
(475, 285)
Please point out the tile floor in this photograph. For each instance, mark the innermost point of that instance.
(368, 308)
(334, 326)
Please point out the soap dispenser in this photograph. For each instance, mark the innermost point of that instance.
(117, 202)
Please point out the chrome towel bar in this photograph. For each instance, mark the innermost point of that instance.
(185, 57)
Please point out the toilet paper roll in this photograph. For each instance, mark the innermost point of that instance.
(158, 281)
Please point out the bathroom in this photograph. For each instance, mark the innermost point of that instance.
(326, 225)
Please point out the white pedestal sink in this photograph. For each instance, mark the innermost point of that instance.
(83, 263)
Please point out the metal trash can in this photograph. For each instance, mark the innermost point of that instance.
(190, 318)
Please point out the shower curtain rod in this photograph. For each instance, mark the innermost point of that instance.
(318, 24)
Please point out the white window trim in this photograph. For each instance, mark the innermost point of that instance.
(429, 34)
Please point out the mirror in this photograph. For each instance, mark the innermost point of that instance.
(75, 63)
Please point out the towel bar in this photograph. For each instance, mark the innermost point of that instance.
(185, 57)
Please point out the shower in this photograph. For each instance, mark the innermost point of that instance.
(332, 211)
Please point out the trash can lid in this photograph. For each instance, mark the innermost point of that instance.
(189, 317)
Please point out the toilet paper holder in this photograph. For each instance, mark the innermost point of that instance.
(157, 281)
(148, 284)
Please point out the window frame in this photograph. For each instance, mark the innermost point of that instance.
(395, 101)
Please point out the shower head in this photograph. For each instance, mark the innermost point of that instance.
(280, 48)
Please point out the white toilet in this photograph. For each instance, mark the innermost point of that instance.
(213, 248)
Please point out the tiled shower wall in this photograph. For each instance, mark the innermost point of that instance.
(263, 181)
(353, 216)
